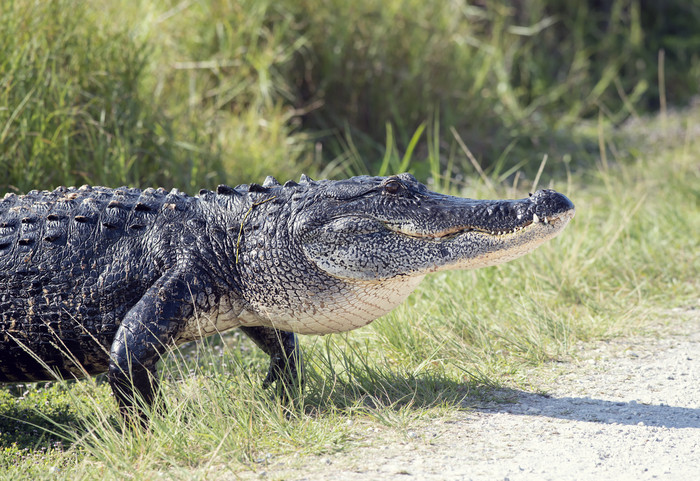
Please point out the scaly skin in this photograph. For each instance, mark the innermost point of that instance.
(94, 279)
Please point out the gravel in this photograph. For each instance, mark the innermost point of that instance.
(627, 409)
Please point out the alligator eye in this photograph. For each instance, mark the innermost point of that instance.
(392, 186)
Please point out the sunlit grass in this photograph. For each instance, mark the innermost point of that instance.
(192, 94)
(625, 259)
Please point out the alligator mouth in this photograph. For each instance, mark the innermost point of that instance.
(455, 231)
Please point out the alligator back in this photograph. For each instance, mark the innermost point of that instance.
(72, 262)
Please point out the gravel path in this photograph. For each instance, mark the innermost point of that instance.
(629, 410)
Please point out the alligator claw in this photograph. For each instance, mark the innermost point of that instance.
(287, 373)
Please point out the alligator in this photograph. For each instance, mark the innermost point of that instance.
(95, 279)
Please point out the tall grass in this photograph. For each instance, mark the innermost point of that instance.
(193, 93)
(70, 106)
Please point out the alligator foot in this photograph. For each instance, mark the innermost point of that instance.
(140, 342)
(135, 393)
(286, 364)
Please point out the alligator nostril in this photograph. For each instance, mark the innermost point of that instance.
(551, 202)
(560, 202)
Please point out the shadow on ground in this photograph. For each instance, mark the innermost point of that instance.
(588, 409)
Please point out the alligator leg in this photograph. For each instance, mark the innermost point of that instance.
(286, 364)
(144, 334)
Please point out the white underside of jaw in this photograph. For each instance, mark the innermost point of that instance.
(359, 304)
(356, 306)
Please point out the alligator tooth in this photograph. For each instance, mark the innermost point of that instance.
(535, 219)
(546, 221)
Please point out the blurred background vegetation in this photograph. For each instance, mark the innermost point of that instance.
(193, 93)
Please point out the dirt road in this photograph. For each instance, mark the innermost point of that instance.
(628, 409)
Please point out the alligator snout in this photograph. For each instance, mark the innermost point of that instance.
(550, 202)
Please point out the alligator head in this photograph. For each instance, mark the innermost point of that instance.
(331, 256)
(373, 229)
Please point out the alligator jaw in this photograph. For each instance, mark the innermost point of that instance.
(452, 232)
(470, 247)
(499, 247)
